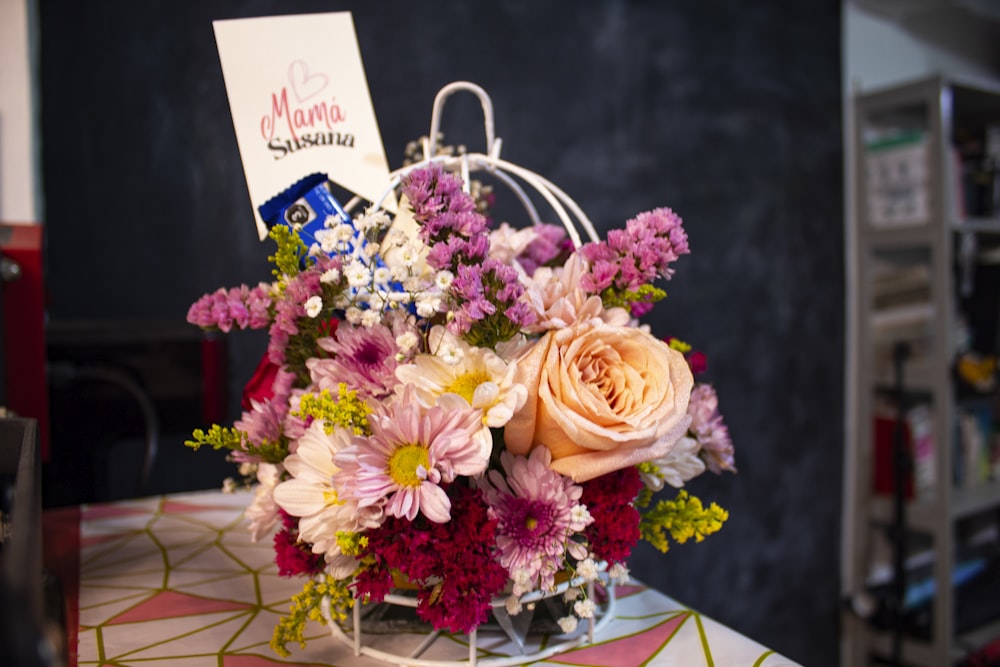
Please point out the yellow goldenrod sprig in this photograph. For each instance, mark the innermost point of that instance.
(613, 298)
(683, 517)
(224, 437)
(306, 607)
(346, 410)
(217, 437)
(289, 253)
(351, 544)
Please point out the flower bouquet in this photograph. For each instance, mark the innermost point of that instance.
(465, 410)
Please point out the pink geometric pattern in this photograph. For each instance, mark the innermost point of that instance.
(171, 604)
(176, 582)
(625, 651)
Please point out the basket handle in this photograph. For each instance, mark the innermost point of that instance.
(493, 143)
(510, 174)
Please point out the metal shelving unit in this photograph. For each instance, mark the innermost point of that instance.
(925, 238)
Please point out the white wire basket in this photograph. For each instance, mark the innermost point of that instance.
(505, 640)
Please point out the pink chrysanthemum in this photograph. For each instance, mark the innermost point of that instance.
(539, 511)
(410, 453)
(363, 357)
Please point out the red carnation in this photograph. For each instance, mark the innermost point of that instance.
(609, 499)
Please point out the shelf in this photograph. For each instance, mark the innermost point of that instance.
(967, 501)
(922, 514)
(893, 237)
(911, 284)
(918, 377)
(977, 225)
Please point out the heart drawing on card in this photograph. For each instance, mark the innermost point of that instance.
(304, 84)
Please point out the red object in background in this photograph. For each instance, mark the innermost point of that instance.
(24, 328)
(214, 390)
(885, 434)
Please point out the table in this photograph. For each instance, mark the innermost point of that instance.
(175, 581)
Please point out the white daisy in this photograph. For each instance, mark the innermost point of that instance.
(311, 496)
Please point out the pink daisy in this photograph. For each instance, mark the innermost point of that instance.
(539, 511)
(412, 451)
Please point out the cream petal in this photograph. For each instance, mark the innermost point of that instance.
(300, 498)
(485, 395)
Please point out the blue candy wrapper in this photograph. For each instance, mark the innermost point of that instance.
(309, 208)
(305, 207)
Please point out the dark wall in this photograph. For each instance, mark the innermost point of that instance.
(729, 112)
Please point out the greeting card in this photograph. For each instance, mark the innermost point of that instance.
(301, 105)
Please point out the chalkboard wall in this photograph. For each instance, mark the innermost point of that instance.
(729, 112)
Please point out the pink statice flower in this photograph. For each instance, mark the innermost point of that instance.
(637, 255)
(362, 357)
(410, 453)
(539, 512)
(710, 431)
(243, 307)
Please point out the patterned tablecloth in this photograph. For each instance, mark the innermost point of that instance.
(176, 581)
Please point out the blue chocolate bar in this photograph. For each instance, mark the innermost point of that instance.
(304, 207)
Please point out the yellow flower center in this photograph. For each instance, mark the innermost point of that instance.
(331, 498)
(404, 462)
(531, 523)
(465, 385)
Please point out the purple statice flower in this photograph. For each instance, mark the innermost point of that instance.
(551, 242)
(364, 358)
(636, 255)
(487, 303)
(243, 307)
(450, 225)
(709, 430)
(521, 314)
(431, 191)
(454, 251)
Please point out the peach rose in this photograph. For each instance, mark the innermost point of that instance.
(600, 398)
